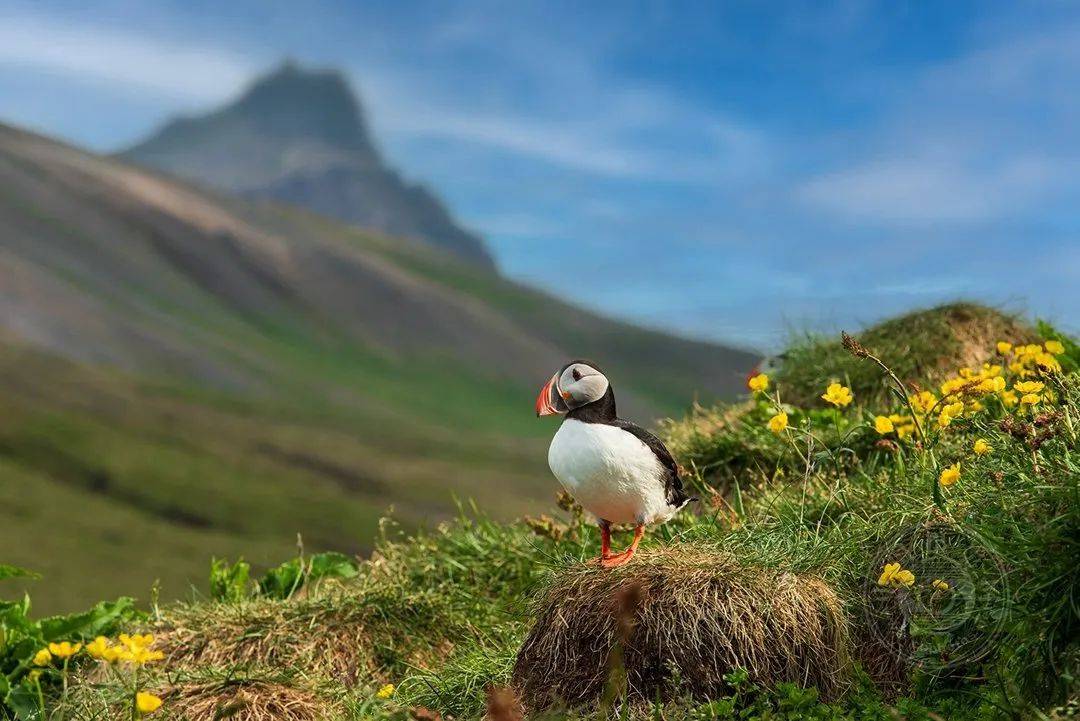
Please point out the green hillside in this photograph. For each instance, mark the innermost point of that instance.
(231, 374)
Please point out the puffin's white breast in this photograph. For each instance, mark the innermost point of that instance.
(610, 472)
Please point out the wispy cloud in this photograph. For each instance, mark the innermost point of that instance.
(933, 190)
(184, 71)
(955, 144)
(631, 140)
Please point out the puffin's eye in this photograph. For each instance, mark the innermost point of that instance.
(576, 374)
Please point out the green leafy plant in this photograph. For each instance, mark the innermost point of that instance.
(229, 582)
(286, 579)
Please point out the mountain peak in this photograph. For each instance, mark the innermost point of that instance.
(296, 102)
(298, 135)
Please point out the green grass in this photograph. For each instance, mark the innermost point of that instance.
(238, 474)
(442, 613)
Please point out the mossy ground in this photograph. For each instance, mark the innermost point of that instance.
(443, 615)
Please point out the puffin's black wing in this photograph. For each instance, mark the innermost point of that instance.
(673, 485)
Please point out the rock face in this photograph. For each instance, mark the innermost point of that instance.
(299, 136)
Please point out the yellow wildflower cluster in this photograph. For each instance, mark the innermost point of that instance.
(386, 691)
(1023, 359)
(135, 649)
(127, 649)
(961, 396)
(939, 585)
(893, 575)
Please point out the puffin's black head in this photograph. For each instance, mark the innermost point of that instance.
(578, 383)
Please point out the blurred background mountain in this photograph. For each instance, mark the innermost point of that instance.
(299, 136)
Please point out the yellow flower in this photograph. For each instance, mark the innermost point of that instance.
(35, 675)
(887, 573)
(137, 641)
(992, 384)
(883, 425)
(385, 692)
(944, 419)
(954, 409)
(838, 395)
(758, 382)
(1053, 346)
(950, 475)
(778, 422)
(64, 649)
(1047, 361)
(42, 657)
(893, 574)
(1009, 399)
(1003, 347)
(1030, 399)
(140, 655)
(98, 648)
(923, 401)
(147, 702)
(939, 584)
(954, 384)
(981, 447)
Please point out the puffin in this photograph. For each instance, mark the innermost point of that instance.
(616, 470)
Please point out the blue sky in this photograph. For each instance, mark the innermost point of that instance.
(724, 170)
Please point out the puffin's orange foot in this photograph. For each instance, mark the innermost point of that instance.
(617, 559)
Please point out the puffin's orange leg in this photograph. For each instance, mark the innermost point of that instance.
(605, 540)
(620, 558)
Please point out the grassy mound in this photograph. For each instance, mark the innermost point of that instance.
(922, 347)
(676, 623)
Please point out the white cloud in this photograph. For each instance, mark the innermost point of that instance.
(956, 143)
(932, 190)
(186, 72)
(712, 147)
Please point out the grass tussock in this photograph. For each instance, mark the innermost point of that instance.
(272, 634)
(922, 347)
(250, 701)
(678, 620)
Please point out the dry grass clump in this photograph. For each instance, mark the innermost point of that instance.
(325, 638)
(249, 701)
(677, 620)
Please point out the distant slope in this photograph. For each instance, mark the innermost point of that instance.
(300, 136)
(231, 372)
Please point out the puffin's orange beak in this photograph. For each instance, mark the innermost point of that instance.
(548, 402)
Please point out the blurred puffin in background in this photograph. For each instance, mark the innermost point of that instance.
(616, 470)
